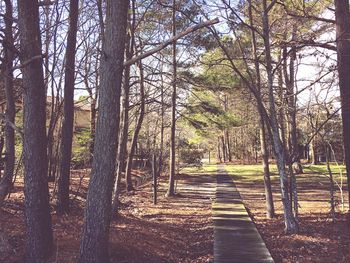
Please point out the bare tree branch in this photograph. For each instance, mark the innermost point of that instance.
(170, 41)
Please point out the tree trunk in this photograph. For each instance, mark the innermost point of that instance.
(223, 147)
(331, 181)
(219, 151)
(293, 154)
(93, 113)
(270, 209)
(171, 185)
(68, 111)
(228, 146)
(129, 186)
(314, 157)
(123, 141)
(161, 146)
(291, 225)
(122, 153)
(342, 16)
(37, 209)
(94, 243)
(8, 44)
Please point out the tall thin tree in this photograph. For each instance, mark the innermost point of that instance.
(342, 17)
(68, 111)
(291, 225)
(94, 243)
(8, 44)
(171, 185)
(37, 209)
(137, 130)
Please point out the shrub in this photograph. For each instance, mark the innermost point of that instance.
(191, 156)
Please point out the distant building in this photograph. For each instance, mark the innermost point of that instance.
(81, 112)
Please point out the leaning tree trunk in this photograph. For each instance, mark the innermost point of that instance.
(331, 180)
(291, 225)
(129, 185)
(270, 209)
(161, 145)
(123, 143)
(293, 155)
(68, 111)
(37, 209)
(94, 243)
(342, 17)
(8, 44)
(171, 184)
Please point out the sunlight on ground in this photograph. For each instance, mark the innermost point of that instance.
(254, 172)
(313, 185)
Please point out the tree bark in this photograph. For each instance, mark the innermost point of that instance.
(93, 114)
(8, 44)
(129, 186)
(314, 157)
(161, 146)
(270, 209)
(122, 147)
(342, 18)
(94, 243)
(228, 145)
(68, 111)
(293, 154)
(291, 225)
(171, 184)
(223, 147)
(37, 210)
(218, 150)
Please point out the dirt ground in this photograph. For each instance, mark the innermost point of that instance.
(319, 239)
(175, 230)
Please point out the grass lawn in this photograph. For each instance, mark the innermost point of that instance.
(206, 168)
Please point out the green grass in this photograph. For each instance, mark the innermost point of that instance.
(322, 168)
(250, 172)
(206, 168)
(254, 173)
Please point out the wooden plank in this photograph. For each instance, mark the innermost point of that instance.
(236, 238)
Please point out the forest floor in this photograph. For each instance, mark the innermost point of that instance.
(180, 229)
(319, 239)
(175, 230)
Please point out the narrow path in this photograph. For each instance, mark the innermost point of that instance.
(236, 238)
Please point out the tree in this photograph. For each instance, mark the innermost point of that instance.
(124, 134)
(291, 225)
(342, 15)
(137, 129)
(37, 210)
(8, 44)
(68, 111)
(171, 184)
(122, 154)
(270, 209)
(94, 242)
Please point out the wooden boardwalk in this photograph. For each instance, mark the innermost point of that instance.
(236, 238)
